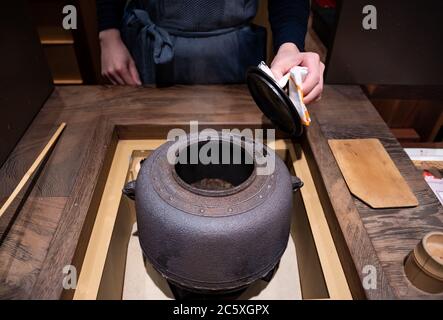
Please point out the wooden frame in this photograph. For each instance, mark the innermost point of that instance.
(73, 180)
(93, 280)
(95, 257)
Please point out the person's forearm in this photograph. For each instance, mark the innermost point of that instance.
(109, 14)
(109, 35)
(117, 64)
(289, 21)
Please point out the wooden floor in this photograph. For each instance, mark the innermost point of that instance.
(56, 219)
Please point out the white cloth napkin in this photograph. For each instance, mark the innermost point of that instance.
(293, 79)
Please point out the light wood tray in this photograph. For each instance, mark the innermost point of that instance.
(370, 173)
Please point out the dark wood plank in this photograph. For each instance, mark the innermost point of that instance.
(25, 247)
(78, 215)
(382, 238)
(352, 241)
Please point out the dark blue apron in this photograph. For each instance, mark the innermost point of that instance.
(193, 41)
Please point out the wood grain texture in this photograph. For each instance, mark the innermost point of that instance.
(381, 238)
(335, 278)
(354, 245)
(370, 173)
(80, 208)
(38, 161)
(24, 250)
(71, 183)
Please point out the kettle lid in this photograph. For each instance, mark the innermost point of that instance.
(273, 102)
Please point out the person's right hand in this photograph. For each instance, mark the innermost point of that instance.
(117, 63)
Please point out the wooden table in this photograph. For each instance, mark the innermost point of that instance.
(56, 219)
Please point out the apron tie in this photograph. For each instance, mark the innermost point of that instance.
(163, 48)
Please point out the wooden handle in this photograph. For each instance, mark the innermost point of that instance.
(32, 169)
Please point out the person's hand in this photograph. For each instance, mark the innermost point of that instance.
(289, 56)
(117, 64)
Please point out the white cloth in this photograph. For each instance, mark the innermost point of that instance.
(293, 79)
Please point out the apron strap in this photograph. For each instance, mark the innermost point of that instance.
(163, 49)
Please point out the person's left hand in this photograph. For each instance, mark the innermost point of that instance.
(289, 56)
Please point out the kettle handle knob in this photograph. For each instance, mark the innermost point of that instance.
(296, 183)
(129, 189)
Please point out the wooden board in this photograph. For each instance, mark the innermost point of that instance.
(335, 277)
(370, 173)
(364, 236)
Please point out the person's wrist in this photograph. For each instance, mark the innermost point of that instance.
(288, 46)
(109, 35)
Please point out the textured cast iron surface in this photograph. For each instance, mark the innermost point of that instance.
(257, 190)
(220, 251)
